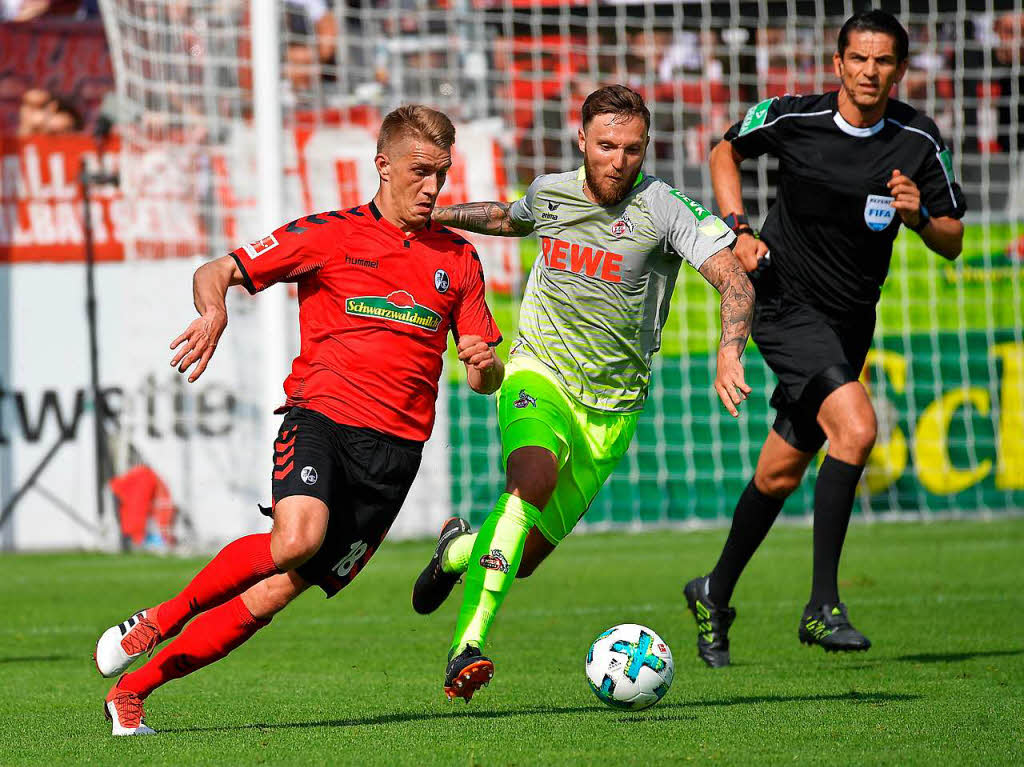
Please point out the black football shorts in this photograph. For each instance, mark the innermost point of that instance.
(360, 474)
(812, 355)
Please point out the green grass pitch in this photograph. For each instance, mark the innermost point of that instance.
(357, 680)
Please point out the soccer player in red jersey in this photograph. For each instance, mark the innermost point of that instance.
(379, 288)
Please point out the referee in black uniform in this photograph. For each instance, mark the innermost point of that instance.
(854, 165)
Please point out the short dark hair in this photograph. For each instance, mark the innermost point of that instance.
(876, 21)
(615, 99)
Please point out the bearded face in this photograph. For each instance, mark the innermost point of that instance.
(613, 147)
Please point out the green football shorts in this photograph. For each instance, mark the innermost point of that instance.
(535, 410)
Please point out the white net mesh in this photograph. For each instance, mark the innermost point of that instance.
(947, 373)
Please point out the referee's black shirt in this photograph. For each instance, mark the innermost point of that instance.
(831, 227)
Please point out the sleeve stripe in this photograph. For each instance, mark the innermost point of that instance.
(788, 114)
(938, 151)
(246, 280)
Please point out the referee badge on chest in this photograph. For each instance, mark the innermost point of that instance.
(878, 212)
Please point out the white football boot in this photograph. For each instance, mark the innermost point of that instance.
(124, 710)
(121, 645)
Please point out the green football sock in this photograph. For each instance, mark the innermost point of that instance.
(493, 564)
(456, 556)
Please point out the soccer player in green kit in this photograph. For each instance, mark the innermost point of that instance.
(612, 241)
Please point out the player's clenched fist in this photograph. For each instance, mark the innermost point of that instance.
(198, 343)
(475, 352)
(748, 251)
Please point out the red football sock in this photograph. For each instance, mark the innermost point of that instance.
(239, 565)
(208, 638)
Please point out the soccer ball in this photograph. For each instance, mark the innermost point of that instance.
(628, 666)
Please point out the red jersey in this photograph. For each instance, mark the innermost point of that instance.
(375, 307)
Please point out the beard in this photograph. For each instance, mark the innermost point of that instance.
(606, 191)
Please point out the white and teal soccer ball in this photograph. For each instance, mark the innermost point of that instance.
(629, 666)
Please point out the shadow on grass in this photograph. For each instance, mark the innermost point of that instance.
(956, 657)
(658, 714)
(36, 658)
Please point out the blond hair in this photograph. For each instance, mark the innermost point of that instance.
(416, 121)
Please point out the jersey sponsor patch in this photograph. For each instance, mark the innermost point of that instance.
(714, 228)
(878, 212)
(397, 306)
(699, 211)
(946, 158)
(254, 249)
(755, 116)
(581, 259)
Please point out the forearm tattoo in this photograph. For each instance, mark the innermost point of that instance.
(724, 272)
(481, 217)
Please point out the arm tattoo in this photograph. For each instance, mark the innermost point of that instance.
(481, 217)
(724, 272)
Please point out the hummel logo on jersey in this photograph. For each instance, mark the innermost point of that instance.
(494, 561)
(309, 475)
(369, 263)
(525, 400)
(581, 259)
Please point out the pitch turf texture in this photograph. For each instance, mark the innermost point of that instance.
(357, 680)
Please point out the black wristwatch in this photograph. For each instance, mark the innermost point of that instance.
(739, 224)
(925, 218)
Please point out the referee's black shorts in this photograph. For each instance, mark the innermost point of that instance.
(360, 474)
(812, 354)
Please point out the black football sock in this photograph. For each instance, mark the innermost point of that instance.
(833, 502)
(755, 513)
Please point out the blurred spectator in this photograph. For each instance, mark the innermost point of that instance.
(36, 107)
(997, 84)
(311, 42)
(42, 113)
(27, 10)
(145, 508)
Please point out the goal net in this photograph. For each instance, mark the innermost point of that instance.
(947, 369)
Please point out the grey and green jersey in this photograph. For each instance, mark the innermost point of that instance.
(599, 293)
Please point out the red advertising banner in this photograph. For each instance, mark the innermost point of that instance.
(41, 211)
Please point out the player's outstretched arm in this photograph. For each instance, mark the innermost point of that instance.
(482, 218)
(724, 272)
(942, 234)
(484, 369)
(209, 287)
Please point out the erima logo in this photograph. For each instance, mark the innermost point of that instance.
(553, 206)
(878, 212)
(525, 400)
(494, 561)
(309, 475)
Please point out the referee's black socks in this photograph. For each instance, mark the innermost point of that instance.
(833, 502)
(755, 513)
